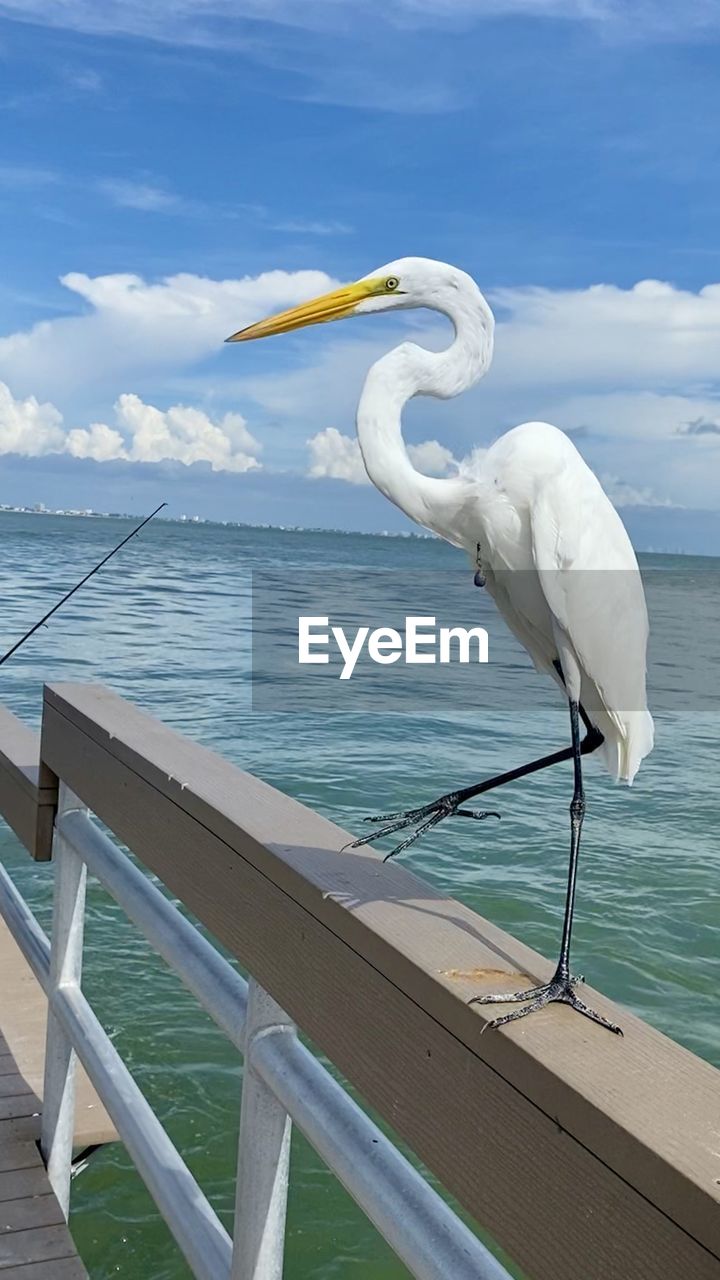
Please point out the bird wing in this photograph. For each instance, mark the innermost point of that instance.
(591, 582)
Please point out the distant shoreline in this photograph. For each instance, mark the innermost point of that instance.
(89, 514)
(185, 520)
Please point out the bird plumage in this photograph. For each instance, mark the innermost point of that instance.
(560, 566)
(555, 554)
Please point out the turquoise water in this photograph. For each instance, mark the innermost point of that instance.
(167, 624)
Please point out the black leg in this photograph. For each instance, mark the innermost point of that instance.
(427, 816)
(560, 986)
(577, 816)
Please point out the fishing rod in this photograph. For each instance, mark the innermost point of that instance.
(79, 584)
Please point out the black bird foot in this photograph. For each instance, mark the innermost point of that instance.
(422, 819)
(557, 990)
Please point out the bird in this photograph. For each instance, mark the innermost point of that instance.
(543, 538)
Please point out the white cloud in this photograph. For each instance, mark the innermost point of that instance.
(99, 442)
(336, 456)
(638, 415)
(432, 458)
(701, 427)
(142, 433)
(28, 427)
(649, 335)
(132, 326)
(299, 226)
(149, 195)
(640, 339)
(342, 53)
(179, 434)
(84, 79)
(14, 177)
(622, 494)
(139, 195)
(622, 365)
(218, 22)
(620, 369)
(653, 344)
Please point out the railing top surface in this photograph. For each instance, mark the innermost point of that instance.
(377, 967)
(19, 752)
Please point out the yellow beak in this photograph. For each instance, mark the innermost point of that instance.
(330, 306)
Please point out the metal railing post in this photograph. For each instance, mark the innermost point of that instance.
(58, 1114)
(263, 1155)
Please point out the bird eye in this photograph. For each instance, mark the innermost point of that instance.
(391, 283)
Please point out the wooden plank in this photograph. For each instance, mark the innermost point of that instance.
(28, 795)
(58, 1269)
(30, 1212)
(20, 1130)
(580, 1153)
(23, 1018)
(18, 1184)
(24, 1104)
(12, 1084)
(32, 1228)
(41, 1244)
(18, 1151)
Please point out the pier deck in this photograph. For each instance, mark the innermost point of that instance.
(35, 1243)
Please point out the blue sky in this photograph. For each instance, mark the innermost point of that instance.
(172, 170)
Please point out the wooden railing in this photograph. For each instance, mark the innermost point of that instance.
(585, 1156)
(27, 803)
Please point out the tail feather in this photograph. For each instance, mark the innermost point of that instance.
(628, 739)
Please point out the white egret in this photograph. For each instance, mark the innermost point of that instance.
(541, 533)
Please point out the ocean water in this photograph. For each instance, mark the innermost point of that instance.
(168, 624)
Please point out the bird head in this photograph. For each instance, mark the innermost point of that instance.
(407, 282)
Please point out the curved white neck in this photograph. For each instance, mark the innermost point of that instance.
(408, 371)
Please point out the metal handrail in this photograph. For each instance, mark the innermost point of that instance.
(215, 984)
(283, 1079)
(193, 1222)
